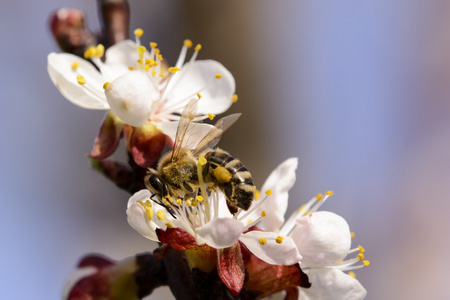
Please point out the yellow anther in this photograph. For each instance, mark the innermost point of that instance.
(148, 208)
(187, 43)
(352, 235)
(188, 202)
(194, 203)
(352, 274)
(151, 62)
(99, 50)
(141, 49)
(156, 51)
(222, 174)
(75, 65)
(198, 47)
(211, 116)
(361, 249)
(160, 57)
(360, 256)
(263, 214)
(257, 193)
(329, 193)
(199, 96)
(81, 80)
(160, 214)
(319, 197)
(366, 263)
(179, 202)
(105, 85)
(138, 32)
(89, 52)
(202, 161)
(279, 239)
(249, 221)
(234, 98)
(168, 225)
(161, 74)
(131, 68)
(147, 67)
(268, 192)
(153, 45)
(218, 75)
(199, 198)
(154, 72)
(262, 241)
(173, 70)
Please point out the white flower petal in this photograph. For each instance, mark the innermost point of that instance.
(271, 252)
(123, 53)
(137, 219)
(131, 96)
(196, 133)
(199, 77)
(142, 195)
(322, 238)
(219, 233)
(332, 284)
(280, 181)
(90, 95)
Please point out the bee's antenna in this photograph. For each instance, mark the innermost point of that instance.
(168, 208)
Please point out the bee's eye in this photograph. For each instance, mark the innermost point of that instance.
(156, 183)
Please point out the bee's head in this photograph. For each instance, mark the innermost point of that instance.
(154, 183)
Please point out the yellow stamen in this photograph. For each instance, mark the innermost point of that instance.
(156, 51)
(202, 161)
(187, 43)
(154, 72)
(179, 202)
(199, 96)
(160, 57)
(263, 214)
(352, 274)
(268, 192)
(199, 198)
(319, 197)
(352, 235)
(249, 221)
(138, 32)
(329, 193)
(366, 263)
(105, 85)
(81, 80)
(360, 256)
(211, 116)
(153, 45)
(234, 99)
(147, 67)
(262, 241)
(198, 47)
(168, 225)
(257, 193)
(173, 70)
(141, 50)
(89, 52)
(75, 65)
(148, 208)
(279, 239)
(99, 50)
(218, 75)
(161, 74)
(361, 249)
(160, 214)
(188, 202)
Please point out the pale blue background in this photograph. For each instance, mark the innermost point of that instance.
(358, 90)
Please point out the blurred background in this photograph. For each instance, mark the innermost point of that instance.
(359, 91)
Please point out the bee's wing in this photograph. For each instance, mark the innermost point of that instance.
(184, 126)
(213, 136)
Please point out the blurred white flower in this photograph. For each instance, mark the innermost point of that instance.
(137, 85)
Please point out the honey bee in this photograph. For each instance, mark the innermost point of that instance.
(177, 173)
